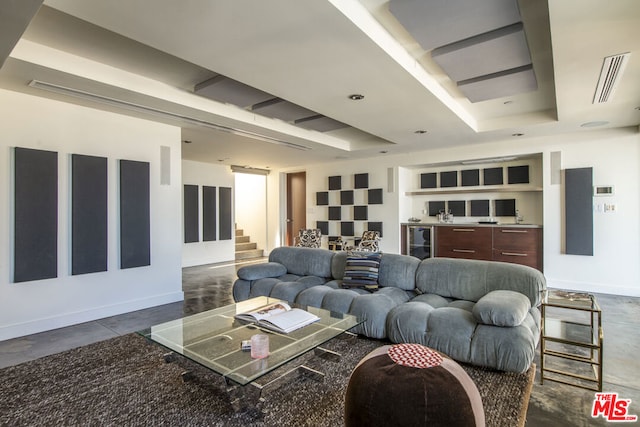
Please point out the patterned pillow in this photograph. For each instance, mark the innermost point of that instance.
(361, 271)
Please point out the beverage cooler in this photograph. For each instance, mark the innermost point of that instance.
(420, 241)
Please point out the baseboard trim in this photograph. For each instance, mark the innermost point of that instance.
(67, 319)
(597, 288)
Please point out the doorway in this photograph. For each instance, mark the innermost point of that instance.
(296, 204)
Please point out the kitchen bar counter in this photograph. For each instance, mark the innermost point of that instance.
(513, 243)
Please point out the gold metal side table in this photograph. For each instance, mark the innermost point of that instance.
(571, 340)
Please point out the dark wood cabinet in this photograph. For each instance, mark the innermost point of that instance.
(518, 245)
(464, 242)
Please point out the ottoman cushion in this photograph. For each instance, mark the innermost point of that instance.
(411, 385)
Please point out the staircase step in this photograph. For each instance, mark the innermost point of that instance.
(242, 239)
(246, 246)
(253, 253)
(239, 232)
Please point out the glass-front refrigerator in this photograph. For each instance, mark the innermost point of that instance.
(420, 241)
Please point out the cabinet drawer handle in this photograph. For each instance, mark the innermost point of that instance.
(464, 251)
(514, 231)
(512, 254)
(464, 229)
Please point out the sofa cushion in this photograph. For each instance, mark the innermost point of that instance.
(304, 261)
(502, 308)
(260, 271)
(361, 271)
(472, 279)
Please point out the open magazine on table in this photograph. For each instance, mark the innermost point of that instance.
(279, 317)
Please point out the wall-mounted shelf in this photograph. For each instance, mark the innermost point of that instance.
(486, 189)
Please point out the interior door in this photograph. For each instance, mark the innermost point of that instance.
(296, 204)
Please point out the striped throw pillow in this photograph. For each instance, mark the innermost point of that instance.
(361, 271)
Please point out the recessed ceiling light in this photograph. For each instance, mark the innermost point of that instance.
(517, 134)
(420, 131)
(594, 124)
(356, 97)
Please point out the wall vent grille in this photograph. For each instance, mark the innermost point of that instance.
(610, 75)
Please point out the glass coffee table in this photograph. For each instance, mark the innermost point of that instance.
(213, 340)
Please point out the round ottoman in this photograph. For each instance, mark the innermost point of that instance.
(411, 385)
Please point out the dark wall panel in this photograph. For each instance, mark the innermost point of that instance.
(361, 180)
(88, 214)
(480, 208)
(578, 192)
(322, 198)
(323, 226)
(428, 180)
(374, 196)
(191, 214)
(209, 223)
(226, 218)
(435, 207)
(335, 182)
(135, 222)
(346, 197)
(36, 215)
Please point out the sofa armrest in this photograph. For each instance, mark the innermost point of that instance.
(502, 308)
(261, 271)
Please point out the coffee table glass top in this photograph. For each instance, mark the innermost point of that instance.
(213, 338)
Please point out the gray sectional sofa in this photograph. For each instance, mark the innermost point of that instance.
(479, 312)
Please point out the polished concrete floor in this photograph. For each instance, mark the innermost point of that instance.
(209, 286)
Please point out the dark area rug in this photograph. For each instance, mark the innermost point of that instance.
(125, 381)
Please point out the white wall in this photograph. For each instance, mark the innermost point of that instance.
(614, 156)
(37, 123)
(251, 207)
(200, 253)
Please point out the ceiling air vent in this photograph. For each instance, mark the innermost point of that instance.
(612, 69)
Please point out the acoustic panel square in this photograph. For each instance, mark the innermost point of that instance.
(428, 180)
(375, 226)
(320, 123)
(35, 214)
(346, 197)
(470, 177)
(335, 183)
(518, 174)
(360, 213)
(335, 213)
(191, 214)
(209, 212)
(374, 196)
(323, 226)
(361, 180)
(505, 207)
(346, 228)
(224, 89)
(449, 179)
(281, 109)
(435, 207)
(480, 208)
(492, 176)
(88, 214)
(322, 198)
(457, 207)
(135, 222)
